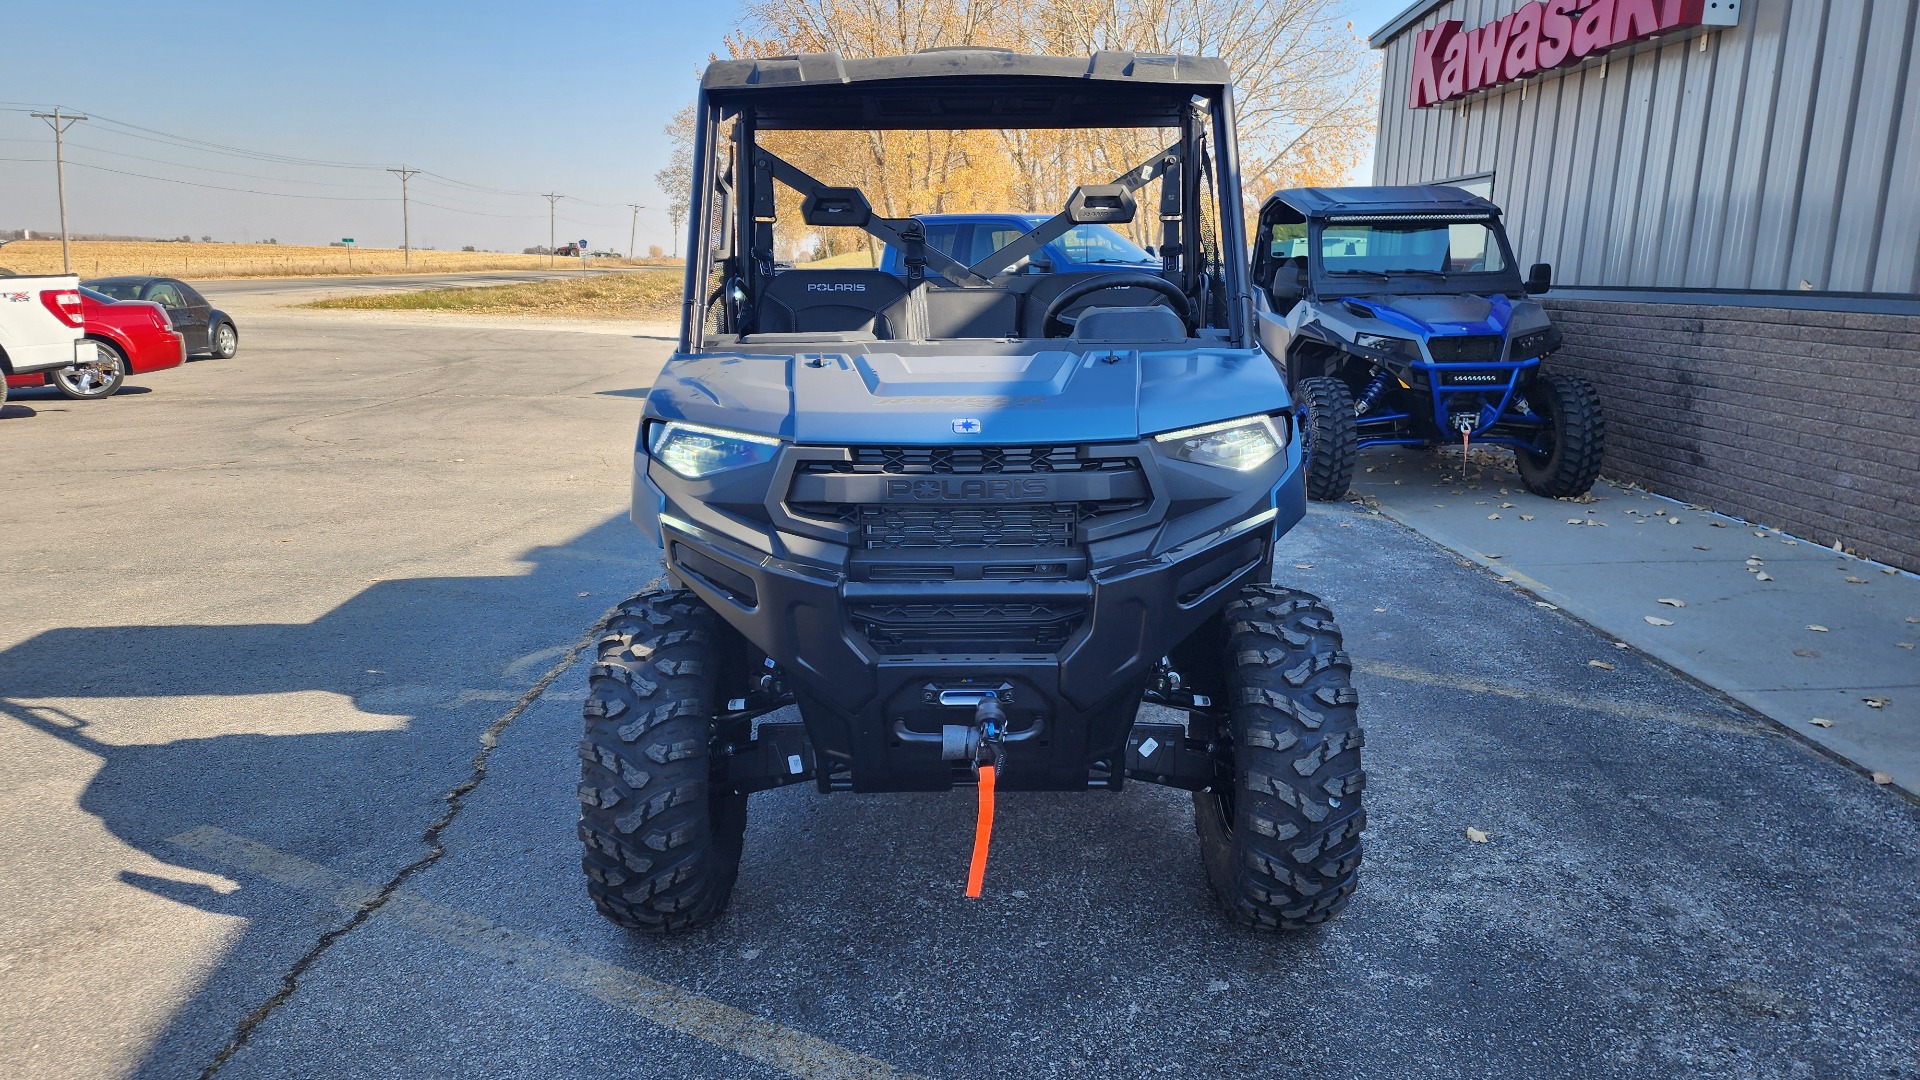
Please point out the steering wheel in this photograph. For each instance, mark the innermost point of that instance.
(1073, 294)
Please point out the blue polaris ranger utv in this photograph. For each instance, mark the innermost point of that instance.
(1402, 320)
(953, 528)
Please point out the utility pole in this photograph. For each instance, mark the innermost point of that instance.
(60, 122)
(553, 238)
(406, 227)
(633, 227)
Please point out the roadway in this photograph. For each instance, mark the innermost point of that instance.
(263, 618)
(251, 294)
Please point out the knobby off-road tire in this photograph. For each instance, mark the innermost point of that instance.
(662, 841)
(1280, 836)
(1576, 437)
(1330, 434)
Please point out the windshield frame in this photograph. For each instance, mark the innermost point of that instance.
(1325, 282)
(730, 175)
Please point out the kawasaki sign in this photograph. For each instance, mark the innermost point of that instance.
(1541, 36)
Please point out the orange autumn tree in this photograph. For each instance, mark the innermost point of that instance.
(1304, 85)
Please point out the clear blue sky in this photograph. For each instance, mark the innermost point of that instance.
(556, 96)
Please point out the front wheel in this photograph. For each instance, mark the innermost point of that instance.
(1566, 459)
(1280, 828)
(97, 379)
(1329, 433)
(226, 341)
(662, 837)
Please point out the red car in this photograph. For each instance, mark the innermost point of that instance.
(133, 337)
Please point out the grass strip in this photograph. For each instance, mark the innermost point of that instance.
(652, 295)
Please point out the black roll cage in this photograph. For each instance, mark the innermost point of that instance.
(739, 202)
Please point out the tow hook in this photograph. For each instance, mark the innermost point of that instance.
(989, 733)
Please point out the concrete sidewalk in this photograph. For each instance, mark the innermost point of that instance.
(1799, 632)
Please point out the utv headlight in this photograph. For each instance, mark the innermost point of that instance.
(1241, 445)
(1388, 343)
(694, 452)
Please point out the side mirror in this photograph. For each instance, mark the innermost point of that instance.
(1039, 266)
(1539, 279)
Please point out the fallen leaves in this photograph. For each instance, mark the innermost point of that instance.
(1303, 566)
(1716, 524)
(1904, 644)
(1808, 653)
(1762, 575)
(1526, 517)
(1475, 835)
(1601, 664)
(1544, 604)
(1883, 778)
(1673, 521)
(1495, 555)
(1621, 645)
(1671, 602)
(1820, 721)
(1851, 580)
(1701, 547)
(1655, 620)
(1506, 506)
(1876, 702)
(1817, 628)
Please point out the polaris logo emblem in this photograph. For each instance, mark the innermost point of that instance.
(944, 489)
(835, 286)
(966, 426)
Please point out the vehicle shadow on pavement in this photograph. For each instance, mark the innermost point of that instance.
(427, 665)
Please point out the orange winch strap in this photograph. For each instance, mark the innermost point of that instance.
(982, 833)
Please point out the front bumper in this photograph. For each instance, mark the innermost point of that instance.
(872, 635)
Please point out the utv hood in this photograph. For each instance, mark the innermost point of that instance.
(1443, 316)
(1055, 396)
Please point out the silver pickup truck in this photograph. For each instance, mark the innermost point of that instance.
(42, 325)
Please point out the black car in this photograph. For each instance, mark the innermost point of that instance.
(208, 330)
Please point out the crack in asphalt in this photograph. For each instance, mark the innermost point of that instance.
(456, 799)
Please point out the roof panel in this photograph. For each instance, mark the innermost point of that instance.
(813, 69)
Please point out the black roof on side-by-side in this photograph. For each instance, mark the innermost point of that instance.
(1408, 199)
(817, 69)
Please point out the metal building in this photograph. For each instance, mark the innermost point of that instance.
(1729, 194)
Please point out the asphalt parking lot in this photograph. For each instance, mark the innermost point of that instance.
(264, 619)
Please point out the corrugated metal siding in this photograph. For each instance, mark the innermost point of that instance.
(1785, 151)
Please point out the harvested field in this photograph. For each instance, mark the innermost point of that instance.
(650, 295)
(104, 258)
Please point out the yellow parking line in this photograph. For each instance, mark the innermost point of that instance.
(1627, 709)
(730, 1029)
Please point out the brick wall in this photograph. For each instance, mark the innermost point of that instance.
(1807, 421)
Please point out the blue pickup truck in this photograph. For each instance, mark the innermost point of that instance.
(972, 237)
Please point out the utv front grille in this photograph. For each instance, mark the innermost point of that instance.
(967, 498)
(1472, 349)
(1010, 627)
(885, 528)
(961, 460)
